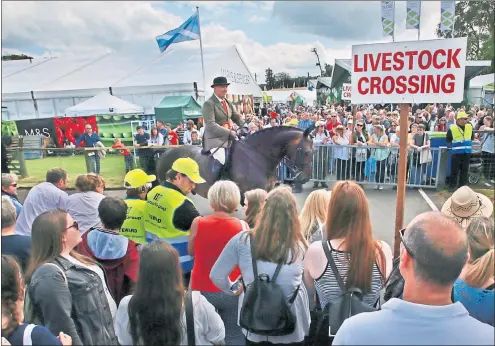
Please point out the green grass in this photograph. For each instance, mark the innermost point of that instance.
(112, 169)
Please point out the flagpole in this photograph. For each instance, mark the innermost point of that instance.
(393, 21)
(202, 61)
(419, 24)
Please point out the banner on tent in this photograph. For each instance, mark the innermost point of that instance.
(70, 128)
(236, 77)
(409, 72)
(413, 14)
(346, 92)
(193, 112)
(388, 8)
(447, 10)
(36, 127)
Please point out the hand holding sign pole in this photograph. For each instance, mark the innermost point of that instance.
(408, 72)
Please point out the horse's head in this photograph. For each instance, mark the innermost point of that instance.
(289, 145)
(300, 156)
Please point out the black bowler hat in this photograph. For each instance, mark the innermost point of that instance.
(219, 81)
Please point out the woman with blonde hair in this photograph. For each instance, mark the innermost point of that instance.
(254, 200)
(277, 244)
(207, 238)
(475, 286)
(363, 261)
(314, 214)
(83, 205)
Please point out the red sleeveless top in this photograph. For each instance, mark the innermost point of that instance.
(212, 236)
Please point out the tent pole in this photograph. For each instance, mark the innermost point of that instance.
(202, 61)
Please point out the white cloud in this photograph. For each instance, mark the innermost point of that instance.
(257, 19)
(88, 28)
(82, 26)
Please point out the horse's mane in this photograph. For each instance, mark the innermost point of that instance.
(261, 134)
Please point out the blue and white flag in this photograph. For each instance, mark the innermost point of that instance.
(188, 31)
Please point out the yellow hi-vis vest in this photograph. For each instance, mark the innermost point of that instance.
(461, 140)
(133, 227)
(161, 204)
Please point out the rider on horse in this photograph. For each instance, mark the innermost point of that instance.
(218, 114)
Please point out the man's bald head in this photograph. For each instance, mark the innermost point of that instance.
(439, 248)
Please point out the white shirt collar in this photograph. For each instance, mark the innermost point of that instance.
(219, 99)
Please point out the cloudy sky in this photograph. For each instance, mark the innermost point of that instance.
(275, 34)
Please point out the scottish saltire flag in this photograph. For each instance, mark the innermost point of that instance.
(188, 31)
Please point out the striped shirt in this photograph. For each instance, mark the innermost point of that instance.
(328, 288)
(304, 124)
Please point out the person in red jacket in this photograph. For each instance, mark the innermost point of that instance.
(173, 138)
(117, 254)
(128, 157)
(332, 123)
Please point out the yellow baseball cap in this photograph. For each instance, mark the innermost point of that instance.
(462, 115)
(137, 178)
(292, 122)
(188, 167)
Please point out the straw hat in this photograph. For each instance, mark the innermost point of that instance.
(466, 204)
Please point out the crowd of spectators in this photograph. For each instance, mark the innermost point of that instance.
(112, 282)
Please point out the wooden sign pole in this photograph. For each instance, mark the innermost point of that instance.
(401, 186)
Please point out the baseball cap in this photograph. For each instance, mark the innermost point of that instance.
(188, 167)
(461, 115)
(293, 122)
(137, 178)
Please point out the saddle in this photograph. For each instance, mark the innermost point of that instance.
(220, 172)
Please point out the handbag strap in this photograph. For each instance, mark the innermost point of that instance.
(191, 338)
(335, 271)
(275, 275)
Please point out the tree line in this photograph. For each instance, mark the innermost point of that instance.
(285, 80)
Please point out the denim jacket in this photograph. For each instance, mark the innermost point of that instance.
(77, 307)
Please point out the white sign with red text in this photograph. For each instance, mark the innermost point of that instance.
(409, 72)
(346, 92)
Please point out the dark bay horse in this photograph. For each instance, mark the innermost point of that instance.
(254, 159)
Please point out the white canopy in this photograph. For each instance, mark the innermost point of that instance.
(481, 81)
(103, 104)
(140, 75)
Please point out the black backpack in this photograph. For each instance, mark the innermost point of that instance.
(349, 303)
(265, 309)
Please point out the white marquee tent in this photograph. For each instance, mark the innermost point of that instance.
(141, 75)
(282, 96)
(481, 90)
(103, 104)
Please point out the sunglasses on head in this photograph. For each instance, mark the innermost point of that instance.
(74, 225)
(401, 233)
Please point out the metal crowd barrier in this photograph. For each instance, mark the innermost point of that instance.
(371, 165)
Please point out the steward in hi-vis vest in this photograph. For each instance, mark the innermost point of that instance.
(460, 135)
(137, 183)
(169, 213)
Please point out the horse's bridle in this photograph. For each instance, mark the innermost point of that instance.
(298, 164)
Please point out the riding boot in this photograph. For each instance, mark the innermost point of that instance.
(217, 169)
